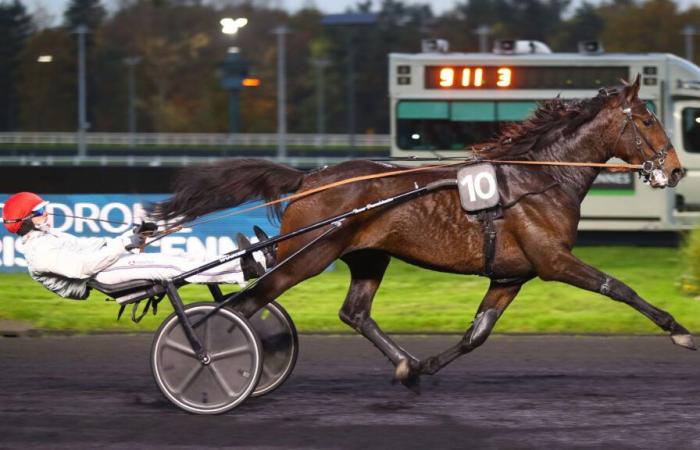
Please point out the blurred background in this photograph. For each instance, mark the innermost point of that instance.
(160, 66)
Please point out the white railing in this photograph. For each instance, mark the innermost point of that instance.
(196, 139)
(154, 161)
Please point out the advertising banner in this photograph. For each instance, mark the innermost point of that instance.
(74, 213)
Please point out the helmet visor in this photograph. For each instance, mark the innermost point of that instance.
(40, 209)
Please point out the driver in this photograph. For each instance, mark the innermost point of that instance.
(64, 263)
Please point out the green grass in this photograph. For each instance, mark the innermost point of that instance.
(691, 254)
(412, 300)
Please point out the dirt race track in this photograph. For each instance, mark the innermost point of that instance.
(515, 392)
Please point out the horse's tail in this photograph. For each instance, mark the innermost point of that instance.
(202, 189)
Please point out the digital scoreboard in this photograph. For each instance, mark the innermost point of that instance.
(523, 77)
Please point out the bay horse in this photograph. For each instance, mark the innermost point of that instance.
(535, 234)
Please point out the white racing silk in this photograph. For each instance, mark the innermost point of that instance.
(64, 263)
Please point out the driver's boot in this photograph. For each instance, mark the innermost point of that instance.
(249, 266)
(269, 251)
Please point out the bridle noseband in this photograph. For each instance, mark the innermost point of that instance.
(652, 168)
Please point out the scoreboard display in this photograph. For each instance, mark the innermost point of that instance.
(523, 77)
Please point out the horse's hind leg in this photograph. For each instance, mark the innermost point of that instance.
(367, 269)
(496, 300)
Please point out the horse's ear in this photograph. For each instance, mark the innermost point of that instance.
(632, 90)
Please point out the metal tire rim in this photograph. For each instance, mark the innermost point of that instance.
(217, 387)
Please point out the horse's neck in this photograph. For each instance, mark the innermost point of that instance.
(584, 146)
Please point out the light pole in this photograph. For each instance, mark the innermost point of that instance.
(350, 22)
(281, 32)
(689, 32)
(234, 69)
(131, 62)
(320, 64)
(350, 91)
(81, 31)
(45, 78)
(483, 32)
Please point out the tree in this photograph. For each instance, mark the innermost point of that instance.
(692, 17)
(15, 29)
(508, 19)
(399, 28)
(84, 12)
(586, 24)
(47, 90)
(652, 26)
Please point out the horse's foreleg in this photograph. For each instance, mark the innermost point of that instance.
(367, 270)
(565, 267)
(496, 300)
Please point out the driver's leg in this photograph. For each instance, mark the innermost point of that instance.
(157, 266)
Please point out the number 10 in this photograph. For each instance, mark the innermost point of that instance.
(473, 184)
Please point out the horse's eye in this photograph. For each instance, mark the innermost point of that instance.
(648, 122)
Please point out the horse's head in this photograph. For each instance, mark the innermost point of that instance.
(641, 139)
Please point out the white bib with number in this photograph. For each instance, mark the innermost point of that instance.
(478, 188)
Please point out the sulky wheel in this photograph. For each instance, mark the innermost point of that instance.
(280, 345)
(230, 377)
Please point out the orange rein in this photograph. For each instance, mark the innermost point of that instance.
(298, 195)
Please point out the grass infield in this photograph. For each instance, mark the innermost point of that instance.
(410, 300)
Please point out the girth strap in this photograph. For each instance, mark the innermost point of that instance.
(486, 217)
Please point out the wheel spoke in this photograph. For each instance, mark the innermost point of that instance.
(189, 378)
(243, 349)
(267, 372)
(222, 382)
(185, 350)
(206, 333)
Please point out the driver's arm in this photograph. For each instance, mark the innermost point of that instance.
(79, 265)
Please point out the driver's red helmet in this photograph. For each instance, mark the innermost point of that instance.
(20, 207)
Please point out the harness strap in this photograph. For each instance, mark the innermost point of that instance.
(486, 217)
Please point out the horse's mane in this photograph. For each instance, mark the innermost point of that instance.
(551, 120)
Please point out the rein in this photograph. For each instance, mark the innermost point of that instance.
(612, 167)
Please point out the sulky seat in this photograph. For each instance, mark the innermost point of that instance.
(129, 291)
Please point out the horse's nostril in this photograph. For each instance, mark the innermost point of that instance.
(676, 175)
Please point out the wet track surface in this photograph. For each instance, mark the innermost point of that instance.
(515, 392)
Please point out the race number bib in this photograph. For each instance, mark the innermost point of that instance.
(478, 188)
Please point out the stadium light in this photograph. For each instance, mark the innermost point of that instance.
(45, 58)
(231, 26)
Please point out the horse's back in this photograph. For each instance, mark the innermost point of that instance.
(431, 231)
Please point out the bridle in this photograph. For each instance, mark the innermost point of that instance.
(652, 167)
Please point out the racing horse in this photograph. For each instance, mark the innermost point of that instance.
(534, 235)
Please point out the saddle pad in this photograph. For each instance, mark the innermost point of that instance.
(478, 188)
(483, 186)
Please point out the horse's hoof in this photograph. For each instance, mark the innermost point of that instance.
(684, 340)
(406, 372)
(412, 383)
(403, 370)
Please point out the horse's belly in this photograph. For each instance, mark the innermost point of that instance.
(436, 243)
